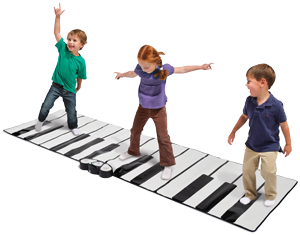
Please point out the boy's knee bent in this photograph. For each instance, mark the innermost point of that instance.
(46, 106)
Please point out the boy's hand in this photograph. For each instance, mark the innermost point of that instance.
(231, 138)
(287, 149)
(78, 88)
(58, 11)
(206, 66)
(119, 75)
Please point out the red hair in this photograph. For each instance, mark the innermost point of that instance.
(149, 54)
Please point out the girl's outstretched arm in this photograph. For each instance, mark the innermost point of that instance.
(186, 69)
(129, 74)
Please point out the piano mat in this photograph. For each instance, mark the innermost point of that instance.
(206, 183)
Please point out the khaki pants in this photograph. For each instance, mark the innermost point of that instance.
(159, 117)
(268, 172)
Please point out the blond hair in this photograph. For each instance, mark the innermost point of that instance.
(80, 34)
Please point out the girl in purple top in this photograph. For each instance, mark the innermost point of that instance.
(152, 98)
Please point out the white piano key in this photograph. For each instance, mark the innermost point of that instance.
(226, 173)
(123, 148)
(114, 139)
(90, 127)
(256, 214)
(182, 162)
(81, 121)
(177, 149)
(147, 149)
(97, 134)
(234, 196)
(57, 122)
(114, 153)
(31, 123)
(205, 166)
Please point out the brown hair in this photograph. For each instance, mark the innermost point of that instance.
(81, 34)
(262, 71)
(149, 54)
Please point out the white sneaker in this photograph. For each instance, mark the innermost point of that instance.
(269, 202)
(245, 200)
(76, 131)
(38, 126)
(167, 173)
(124, 156)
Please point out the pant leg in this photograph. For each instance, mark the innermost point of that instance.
(250, 165)
(159, 117)
(69, 99)
(140, 119)
(52, 95)
(268, 172)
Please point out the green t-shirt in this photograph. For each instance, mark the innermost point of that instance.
(69, 67)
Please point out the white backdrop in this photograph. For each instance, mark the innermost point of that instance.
(45, 193)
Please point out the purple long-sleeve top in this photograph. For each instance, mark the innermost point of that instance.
(152, 94)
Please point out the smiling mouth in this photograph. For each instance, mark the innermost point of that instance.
(71, 47)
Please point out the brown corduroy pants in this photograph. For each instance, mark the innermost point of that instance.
(159, 117)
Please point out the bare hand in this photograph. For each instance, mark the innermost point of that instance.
(119, 75)
(78, 88)
(287, 150)
(206, 66)
(58, 11)
(231, 138)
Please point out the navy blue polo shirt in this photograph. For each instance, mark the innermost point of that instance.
(264, 124)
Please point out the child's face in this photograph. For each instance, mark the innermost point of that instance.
(146, 66)
(254, 86)
(74, 43)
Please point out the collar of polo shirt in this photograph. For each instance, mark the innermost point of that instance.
(269, 102)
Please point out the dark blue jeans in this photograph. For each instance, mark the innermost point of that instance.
(69, 99)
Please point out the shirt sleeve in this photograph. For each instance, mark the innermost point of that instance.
(170, 68)
(281, 117)
(60, 45)
(245, 107)
(138, 70)
(82, 71)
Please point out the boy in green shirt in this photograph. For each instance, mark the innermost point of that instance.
(69, 69)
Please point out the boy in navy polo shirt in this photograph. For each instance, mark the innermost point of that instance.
(265, 114)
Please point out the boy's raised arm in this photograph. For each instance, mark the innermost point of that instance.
(57, 12)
